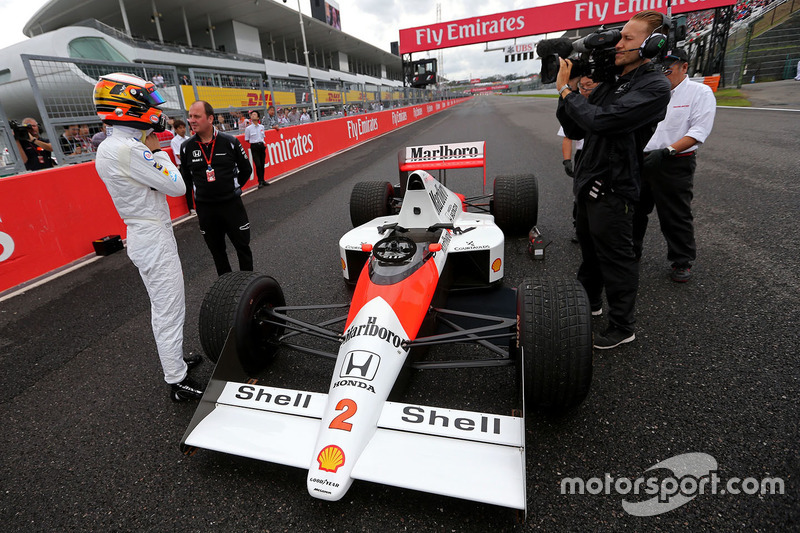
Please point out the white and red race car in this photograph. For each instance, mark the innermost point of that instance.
(406, 267)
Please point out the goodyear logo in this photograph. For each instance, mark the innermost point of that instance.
(330, 458)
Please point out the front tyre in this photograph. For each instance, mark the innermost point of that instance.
(370, 200)
(515, 203)
(242, 300)
(555, 329)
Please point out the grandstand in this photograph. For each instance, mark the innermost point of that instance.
(763, 42)
(262, 39)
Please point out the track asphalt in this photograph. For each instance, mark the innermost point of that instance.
(90, 438)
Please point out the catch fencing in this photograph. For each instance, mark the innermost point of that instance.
(10, 158)
(760, 51)
(63, 90)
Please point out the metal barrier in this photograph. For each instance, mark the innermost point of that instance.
(10, 158)
(62, 88)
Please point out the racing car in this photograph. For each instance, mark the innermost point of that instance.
(427, 272)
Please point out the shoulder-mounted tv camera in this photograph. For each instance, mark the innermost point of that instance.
(593, 55)
(21, 131)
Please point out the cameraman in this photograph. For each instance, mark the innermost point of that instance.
(36, 151)
(615, 122)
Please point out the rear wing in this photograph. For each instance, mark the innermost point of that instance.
(442, 157)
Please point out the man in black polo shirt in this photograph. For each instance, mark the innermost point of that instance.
(35, 149)
(218, 167)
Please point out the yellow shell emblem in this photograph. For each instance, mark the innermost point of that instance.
(496, 265)
(330, 458)
(344, 266)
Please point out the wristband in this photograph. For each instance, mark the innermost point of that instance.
(156, 150)
(561, 90)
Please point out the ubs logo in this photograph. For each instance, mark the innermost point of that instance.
(360, 364)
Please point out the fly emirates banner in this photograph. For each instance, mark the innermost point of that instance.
(537, 21)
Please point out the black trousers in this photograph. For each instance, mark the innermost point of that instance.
(605, 233)
(259, 152)
(218, 219)
(187, 179)
(669, 187)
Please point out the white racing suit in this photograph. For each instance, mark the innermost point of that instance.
(138, 182)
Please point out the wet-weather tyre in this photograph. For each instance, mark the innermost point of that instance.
(515, 203)
(241, 300)
(555, 331)
(370, 200)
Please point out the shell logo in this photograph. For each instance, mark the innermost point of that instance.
(344, 266)
(496, 265)
(330, 458)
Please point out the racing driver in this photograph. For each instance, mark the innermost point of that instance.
(138, 176)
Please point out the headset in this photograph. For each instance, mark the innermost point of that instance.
(656, 42)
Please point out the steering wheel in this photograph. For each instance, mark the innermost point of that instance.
(394, 249)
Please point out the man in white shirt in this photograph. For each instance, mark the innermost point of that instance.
(254, 134)
(669, 164)
(178, 139)
(305, 117)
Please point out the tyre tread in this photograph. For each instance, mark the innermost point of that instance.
(558, 343)
(369, 200)
(516, 203)
(218, 310)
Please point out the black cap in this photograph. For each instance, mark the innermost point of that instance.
(676, 55)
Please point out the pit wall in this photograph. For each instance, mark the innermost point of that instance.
(49, 218)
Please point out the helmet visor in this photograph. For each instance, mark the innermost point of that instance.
(152, 96)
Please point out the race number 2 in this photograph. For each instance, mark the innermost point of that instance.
(348, 408)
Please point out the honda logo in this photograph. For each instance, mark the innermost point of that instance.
(360, 364)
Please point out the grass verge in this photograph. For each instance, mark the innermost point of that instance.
(731, 98)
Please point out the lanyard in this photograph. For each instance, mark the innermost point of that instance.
(203, 150)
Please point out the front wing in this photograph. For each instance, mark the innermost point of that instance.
(462, 454)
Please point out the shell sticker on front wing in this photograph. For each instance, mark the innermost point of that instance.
(330, 458)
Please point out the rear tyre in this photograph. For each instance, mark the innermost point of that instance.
(241, 300)
(555, 330)
(370, 200)
(515, 203)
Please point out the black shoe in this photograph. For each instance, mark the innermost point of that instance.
(613, 337)
(187, 389)
(192, 360)
(681, 274)
(263, 184)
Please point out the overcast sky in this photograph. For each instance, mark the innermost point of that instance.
(375, 21)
